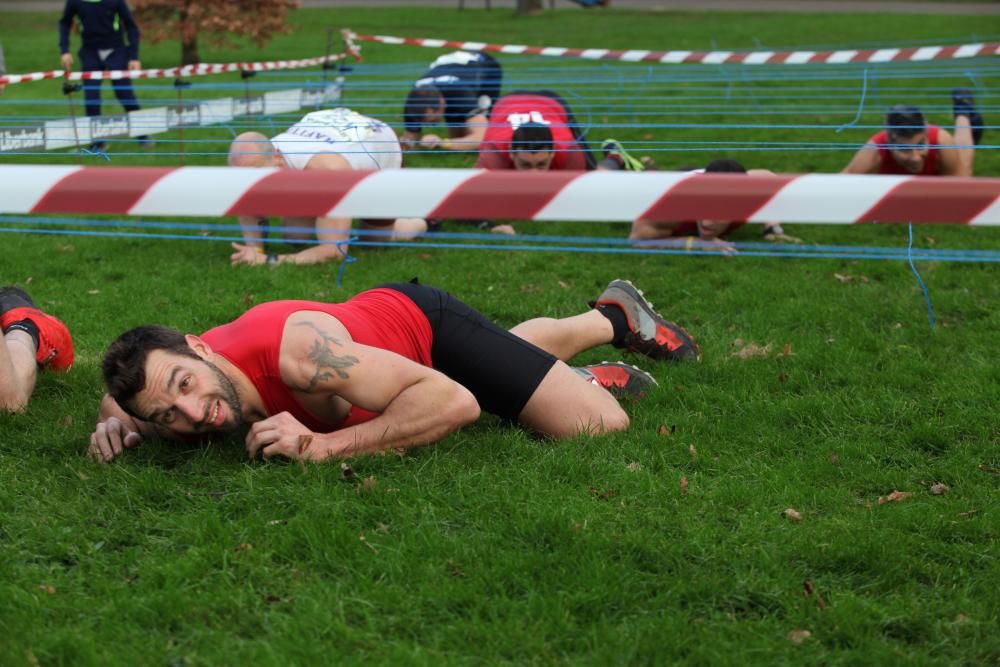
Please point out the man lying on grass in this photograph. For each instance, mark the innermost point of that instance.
(328, 140)
(909, 145)
(401, 365)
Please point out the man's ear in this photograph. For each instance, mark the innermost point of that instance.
(200, 347)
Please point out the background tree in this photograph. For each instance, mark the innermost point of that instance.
(219, 21)
(529, 7)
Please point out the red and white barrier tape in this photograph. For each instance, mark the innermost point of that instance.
(475, 194)
(712, 57)
(351, 51)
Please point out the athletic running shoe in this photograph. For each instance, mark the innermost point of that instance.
(621, 379)
(649, 334)
(612, 148)
(55, 345)
(964, 104)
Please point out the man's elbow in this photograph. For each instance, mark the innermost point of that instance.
(464, 408)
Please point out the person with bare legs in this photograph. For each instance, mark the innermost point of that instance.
(330, 140)
(401, 365)
(32, 339)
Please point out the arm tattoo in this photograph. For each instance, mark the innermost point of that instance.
(322, 355)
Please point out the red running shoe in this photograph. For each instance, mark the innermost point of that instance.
(649, 334)
(55, 345)
(619, 378)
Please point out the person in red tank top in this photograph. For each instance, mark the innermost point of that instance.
(533, 131)
(703, 234)
(398, 366)
(909, 146)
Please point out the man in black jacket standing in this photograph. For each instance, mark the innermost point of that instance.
(102, 24)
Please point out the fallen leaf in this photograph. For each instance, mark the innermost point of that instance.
(564, 285)
(602, 495)
(277, 522)
(966, 515)
(753, 351)
(45, 588)
(367, 484)
(456, 571)
(663, 430)
(93, 291)
(246, 546)
(961, 618)
(425, 255)
(693, 452)
(634, 466)
(897, 325)
(792, 515)
(799, 636)
(808, 586)
(648, 136)
(939, 489)
(848, 278)
(894, 497)
(67, 421)
(382, 527)
(739, 342)
(346, 472)
(27, 281)
(786, 351)
(684, 485)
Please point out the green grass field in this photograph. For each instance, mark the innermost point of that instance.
(493, 547)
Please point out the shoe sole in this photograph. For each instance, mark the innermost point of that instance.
(622, 392)
(645, 314)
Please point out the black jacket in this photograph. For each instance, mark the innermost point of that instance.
(101, 23)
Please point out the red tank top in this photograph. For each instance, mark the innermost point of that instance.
(512, 111)
(888, 165)
(382, 318)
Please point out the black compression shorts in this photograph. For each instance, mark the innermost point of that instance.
(501, 370)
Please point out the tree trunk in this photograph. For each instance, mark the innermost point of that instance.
(529, 7)
(189, 52)
(189, 36)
